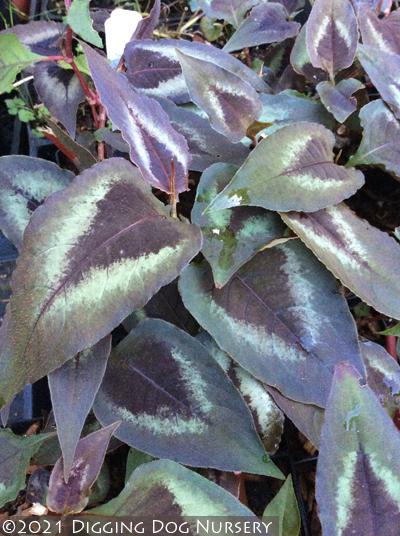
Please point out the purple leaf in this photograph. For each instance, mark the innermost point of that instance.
(358, 469)
(73, 388)
(233, 11)
(300, 59)
(71, 497)
(60, 91)
(380, 33)
(332, 35)
(159, 151)
(146, 26)
(118, 249)
(365, 259)
(154, 68)
(281, 317)
(41, 37)
(267, 23)
(231, 104)
(338, 99)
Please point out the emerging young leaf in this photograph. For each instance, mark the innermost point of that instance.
(384, 33)
(60, 91)
(332, 35)
(175, 402)
(146, 26)
(281, 316)
(98, 267)
(231, 237)
(78, 17)
(338, 98)
(365, 259)
(231, 104)
(73, 388)
(233, 11)
(358, 467)
(71, 497)
(41, 37)
(15, 455)
(268, 418)
(165, 488)
(14, 58)
(284, 506)
(379, 144)
(267, 23)
(159, 151)
(292, 169)
(154, 68)
(25, 182)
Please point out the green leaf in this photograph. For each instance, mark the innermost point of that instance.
(134, 459)
(210, 28)
(231, 237)
(284, 506)
(292, 169)
(97, 250)
(165, 488)
(394, 330)
(79, 19)
(14, 57)
(15, 454)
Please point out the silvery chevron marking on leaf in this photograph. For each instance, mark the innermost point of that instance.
(165, 488)
(332, 35)
(97, 267)
(71, 497)
(24, 185)
(300, 59)
(380, 33)
(267, 23)
(153, 143)
(175, 401)
(231, 104)
(358, 482)
(41, 37)
(154, 68)
(281, 317)
(292, 169)
(231, 236)
(338, 98)
(73, 388)
(379, 144)
(383, 71)
(365, 259)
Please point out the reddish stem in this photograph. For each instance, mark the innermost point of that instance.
(101, 146)
(391, 345)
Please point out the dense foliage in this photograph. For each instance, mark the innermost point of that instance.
(206, 220)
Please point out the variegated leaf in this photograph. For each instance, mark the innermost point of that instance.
(174, 402)
(379, 144)
(300, 59)
(98, 267)
(233, 11)
(292, 169)
(159, 151)
(358, 484)
(206, 145)
(338, 99)
(231, 237)
(71, 497)
(15, 455)
(267, 23)
(25, 182)
(268, 418)
(60, 91)
(154, 68)
(41, 37)
(281, 316)
(380, 33)
(355, 252)
(332, 35)
(284, 506)
(382, 70)
(165, 488)
(231, 104)
(73, 388)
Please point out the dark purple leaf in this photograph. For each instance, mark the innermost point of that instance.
(281, 316)
(292, 6)
(41, 37)
(233, 11)
(338, 99)
(357, 486)
(384, 33)
(154, 68)
(73, 388)
(71, 497)
(267, 23)
(60, 91)
(146, 27)
(231, 104)
(332, 35)
(175, 402)
(118, 249)
(156, 148)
